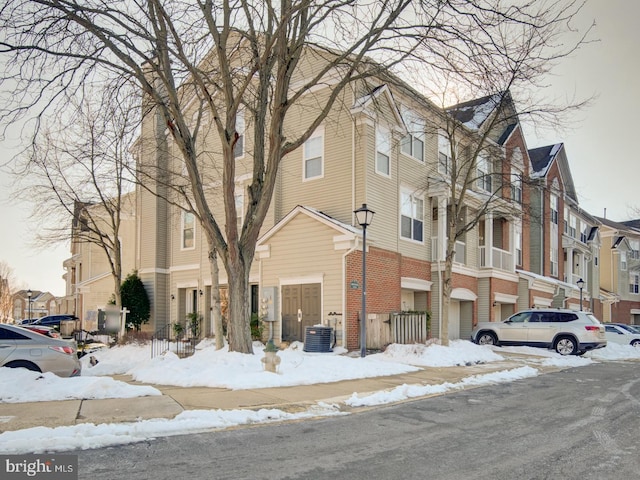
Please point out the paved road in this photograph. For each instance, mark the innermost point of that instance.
(581, 423)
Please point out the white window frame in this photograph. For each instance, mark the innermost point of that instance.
(238, 149)
(409, 205)
(483, 169)
(516, 185)
(518, 247)
(239, 200)
(383, 151)
(634, 283)
(318, 135)
(623, 261)
(413, 143)
(444, 154)
(634, 245)
(553, 205)
(573, 223)
(184, 228)
(554, 261)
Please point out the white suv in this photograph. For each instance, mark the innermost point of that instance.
(568, 332)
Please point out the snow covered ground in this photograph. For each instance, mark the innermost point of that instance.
(211, 368)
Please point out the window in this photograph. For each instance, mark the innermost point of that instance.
(413, 143)
(411, 216)
(554, 209)
(516, 186)
(239, 209)
(313, 155)
(572, 226)
(635, 249)
(583, 232)
(383, 151)
(518, 242)
(634, 283)
(554, 261)
(623, 260)
(444, 154)
(188, 230)
(484, 173)
(238, 149)
(565, 220)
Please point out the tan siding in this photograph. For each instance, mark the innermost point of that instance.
(304, 249)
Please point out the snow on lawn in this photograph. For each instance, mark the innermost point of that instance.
(212, 368)
(19, 385)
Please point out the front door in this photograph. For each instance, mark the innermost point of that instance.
(300, 309)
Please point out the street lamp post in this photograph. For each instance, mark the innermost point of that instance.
(364, 217)
(29, 293)
(580, 284)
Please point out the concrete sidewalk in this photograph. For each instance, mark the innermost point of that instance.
(174, 400)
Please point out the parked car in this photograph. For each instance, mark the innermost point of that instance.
(53, 320)
(43, 330)
(567, 332)
(630, 328)
(622, 334)
(23, 348)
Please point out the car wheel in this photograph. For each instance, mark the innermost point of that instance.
(635, 343)
(566, 346)
(487, 338)
(24, 364)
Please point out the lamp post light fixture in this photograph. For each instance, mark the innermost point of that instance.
(364, 217)
(29, 293)
(580, 284)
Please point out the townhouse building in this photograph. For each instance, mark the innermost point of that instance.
(528, 242)
(565, 240)
(382, 145)
(89, 283)
(620, 279)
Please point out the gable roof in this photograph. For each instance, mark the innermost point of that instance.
(342, 228)
(474, 113)
(363, 103)
(542, 158)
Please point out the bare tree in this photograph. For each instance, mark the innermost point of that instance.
(7, 289)
(262, 60)
(502, 70)
(77, 175)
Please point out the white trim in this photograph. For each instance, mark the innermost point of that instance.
(634, 311)
(184, 268)
(302, 280)
(144, 271)
(463, 294)
(505, 298)
(415, 284)
(545, 302)
(187, 284)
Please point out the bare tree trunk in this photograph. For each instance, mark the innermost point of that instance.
(215, 299)
(240, 311)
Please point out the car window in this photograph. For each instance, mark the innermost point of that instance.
(612, 329)
(548, 317)
(566, 317)
(7, 334)
(520, 317)
(593, 319)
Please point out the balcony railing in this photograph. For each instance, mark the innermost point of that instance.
(460, 251)
(500, 259)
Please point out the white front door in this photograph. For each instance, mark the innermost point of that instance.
(454, 320)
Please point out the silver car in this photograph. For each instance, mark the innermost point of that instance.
(24, 348)
(568, 332)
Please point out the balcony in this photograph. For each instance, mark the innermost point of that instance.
(460, 251)
(501, 259)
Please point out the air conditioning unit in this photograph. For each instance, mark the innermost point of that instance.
(318, 339)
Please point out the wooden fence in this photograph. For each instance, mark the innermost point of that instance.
(404, 328)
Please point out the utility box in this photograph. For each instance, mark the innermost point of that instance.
(318, 339)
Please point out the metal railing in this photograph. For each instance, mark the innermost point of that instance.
(167, 339)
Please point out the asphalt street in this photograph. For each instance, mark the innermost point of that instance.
(580, 423)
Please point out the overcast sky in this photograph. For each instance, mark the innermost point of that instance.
(600, 146)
